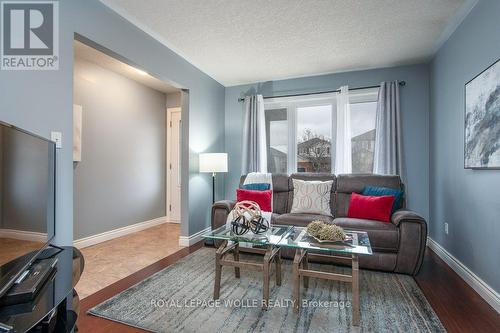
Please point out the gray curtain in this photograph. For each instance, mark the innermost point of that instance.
(254, 152)
(388, 157)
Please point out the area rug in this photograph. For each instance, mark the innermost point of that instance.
(179, 299)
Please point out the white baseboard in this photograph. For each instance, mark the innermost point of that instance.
(194, 238)
(108, 235)
(481, 287)
(31, 236)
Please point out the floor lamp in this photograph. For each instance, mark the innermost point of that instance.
(213, 162)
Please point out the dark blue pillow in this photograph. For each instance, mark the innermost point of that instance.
(379, 191)
(256, 187)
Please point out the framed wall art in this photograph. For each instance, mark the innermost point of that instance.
(482, 120)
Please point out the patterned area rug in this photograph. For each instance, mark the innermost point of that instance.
(179, 299)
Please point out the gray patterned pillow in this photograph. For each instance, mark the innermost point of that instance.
(311, 197)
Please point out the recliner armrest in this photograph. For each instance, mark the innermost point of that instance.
(220, 211)
(403, 215)
(412, 241)
(224, 204)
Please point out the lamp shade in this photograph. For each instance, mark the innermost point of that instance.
(213, 162)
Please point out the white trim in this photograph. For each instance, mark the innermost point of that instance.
(167, 166)
(481, 287)
(112, 234)
(31, 236)
(194, 238)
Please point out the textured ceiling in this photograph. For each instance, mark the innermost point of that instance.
(242, 41)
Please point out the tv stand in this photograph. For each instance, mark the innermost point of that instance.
(54, 306)
(30, 283)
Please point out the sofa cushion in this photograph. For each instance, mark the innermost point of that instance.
(380, 191)
(383, 236)
(256, 187)
(281, 189)
(346, 184)
(261, 198)
(309, 176)
(312, 197)
(301, 220)
(370, 207)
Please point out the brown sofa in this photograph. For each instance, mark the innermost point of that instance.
(397, 246)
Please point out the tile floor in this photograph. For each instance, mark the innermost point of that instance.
(111, 261)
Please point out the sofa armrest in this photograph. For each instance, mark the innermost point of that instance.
(220, 211)
(403, 215)
(412, 241)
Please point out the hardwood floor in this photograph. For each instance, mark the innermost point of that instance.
(113, 260)
(458, 306)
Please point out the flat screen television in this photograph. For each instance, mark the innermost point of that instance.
(27, 200)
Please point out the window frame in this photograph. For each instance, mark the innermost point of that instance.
(291, 104)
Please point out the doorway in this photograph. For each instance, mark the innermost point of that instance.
(121, 130)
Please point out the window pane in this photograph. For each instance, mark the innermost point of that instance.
(314, 133)
(363, 136)
(277, 140)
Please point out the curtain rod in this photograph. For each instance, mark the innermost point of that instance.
(401, 83)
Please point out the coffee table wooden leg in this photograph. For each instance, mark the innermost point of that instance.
(218, 269)
(355, 290)
(296, 280)
(305, 264)
(278, 267)
(236, 256)
(266, 273)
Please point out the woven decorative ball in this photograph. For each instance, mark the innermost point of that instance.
(247, 215)
(249, 207)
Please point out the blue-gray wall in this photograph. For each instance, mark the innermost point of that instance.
(121, 179)
(415, 119)
(468, 200)
(41, 101)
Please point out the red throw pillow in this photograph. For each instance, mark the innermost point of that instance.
(371, 207)
(262, 198)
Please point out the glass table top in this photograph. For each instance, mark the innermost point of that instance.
(272, 237)
(357, 243)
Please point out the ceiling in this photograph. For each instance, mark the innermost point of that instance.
(243, 41)
(85, 52)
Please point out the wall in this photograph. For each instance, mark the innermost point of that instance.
(41, 101)
(121, 178)
(415, 119)
(468, 200)
(174, 100)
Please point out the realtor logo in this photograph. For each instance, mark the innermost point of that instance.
(29, 35)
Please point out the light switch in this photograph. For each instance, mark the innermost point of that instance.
(57, 138)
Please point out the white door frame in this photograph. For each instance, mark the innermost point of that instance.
(167, 166)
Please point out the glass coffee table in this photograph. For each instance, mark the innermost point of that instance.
(346, 252)
(267, 245)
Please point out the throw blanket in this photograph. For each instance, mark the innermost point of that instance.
(257, 177)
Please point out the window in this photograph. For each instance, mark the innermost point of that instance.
(314, 133)
(301, 132)
(277, 140)
(363, 113)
